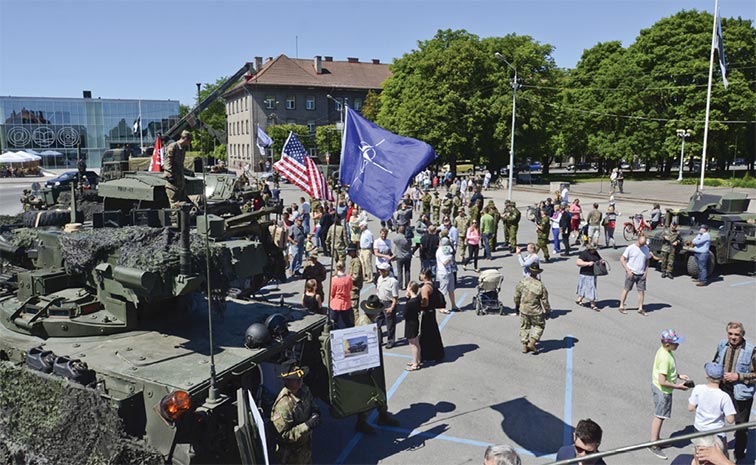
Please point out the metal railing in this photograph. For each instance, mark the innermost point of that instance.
(661, 442)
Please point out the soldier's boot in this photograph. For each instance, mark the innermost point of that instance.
(525, 349)
(384, 419)
(532, 346)
(363, 427)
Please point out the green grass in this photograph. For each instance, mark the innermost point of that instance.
(745, 182)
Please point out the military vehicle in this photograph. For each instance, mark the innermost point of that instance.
(731, 227)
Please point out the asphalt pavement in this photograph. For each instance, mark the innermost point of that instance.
(593, 364)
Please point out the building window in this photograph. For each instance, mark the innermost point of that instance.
(310, 103)
(291, 121)
(291, 102)
(313, 152)
(270, 102)
(337, 105)
(311, 126)
(357, 104)
(247, 124)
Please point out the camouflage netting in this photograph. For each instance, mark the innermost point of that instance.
(11, 219)
(48, 421)
(87, 202)
(144, 248)
(21, 237)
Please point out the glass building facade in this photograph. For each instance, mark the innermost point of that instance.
(58, 127)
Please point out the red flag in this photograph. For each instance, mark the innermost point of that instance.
(156, 164)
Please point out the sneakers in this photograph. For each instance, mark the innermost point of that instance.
(656, 450)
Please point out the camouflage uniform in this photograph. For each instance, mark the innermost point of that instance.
(669, 250)
(531, 300)
(475, 214)
(446, 207)
(173, 168)
(288, 416)
(506, 219)
(514, 224)
(436, 209)
(456, 205)
(426, 200)
(462, 223)
(355, 271)
(543, 228)
(339, 250)
(496, 216)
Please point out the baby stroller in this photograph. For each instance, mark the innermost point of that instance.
(487, 299)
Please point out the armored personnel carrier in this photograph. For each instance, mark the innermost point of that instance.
(731, 227)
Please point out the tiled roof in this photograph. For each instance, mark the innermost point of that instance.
(285, 71)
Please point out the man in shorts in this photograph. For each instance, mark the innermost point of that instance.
(635, 260)
(664, 379)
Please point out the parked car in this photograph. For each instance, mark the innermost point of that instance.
(535, 166)
(66, 178)
(625, 165)
(580, 167)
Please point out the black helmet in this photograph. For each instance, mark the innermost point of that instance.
(256, 336)
(276, 324)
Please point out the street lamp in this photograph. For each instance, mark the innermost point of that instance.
(342, 104)
(683, 134)
(515, 85)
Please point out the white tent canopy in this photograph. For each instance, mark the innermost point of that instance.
(18, 157)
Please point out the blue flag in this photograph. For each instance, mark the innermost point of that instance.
(377, 165)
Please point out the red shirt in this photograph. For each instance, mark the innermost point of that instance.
(341, 289)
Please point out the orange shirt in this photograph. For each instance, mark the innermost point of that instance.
(341, 289)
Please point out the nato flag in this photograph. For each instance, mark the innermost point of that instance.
(377, 165)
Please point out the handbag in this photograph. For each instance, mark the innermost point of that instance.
(601, 268)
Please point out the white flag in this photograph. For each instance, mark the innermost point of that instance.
(720, 49)
(137, 124)
(263, 140)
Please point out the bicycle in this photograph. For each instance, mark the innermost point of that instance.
(632, 229)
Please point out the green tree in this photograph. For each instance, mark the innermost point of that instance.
(372, 105)
(328, 139)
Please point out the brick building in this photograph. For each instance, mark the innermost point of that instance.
(294, 91)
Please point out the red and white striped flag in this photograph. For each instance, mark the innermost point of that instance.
(297, 166)
(156, 163)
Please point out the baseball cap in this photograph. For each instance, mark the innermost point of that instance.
(383, 266)
(670, 336)
(714, 370)
(363, 223)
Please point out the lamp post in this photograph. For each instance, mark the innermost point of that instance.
(515, 85)
(683, 134)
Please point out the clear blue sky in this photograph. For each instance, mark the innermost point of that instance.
(159, 49)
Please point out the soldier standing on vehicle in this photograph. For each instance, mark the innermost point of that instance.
(173, 169)
(542, 230)
(355, 271)
(531, 301)
(294, 415)
(670, 246)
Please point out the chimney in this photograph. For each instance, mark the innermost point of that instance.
(376, 61)
(327, 58)
(86, 93)
(268, 59)
(318, 65)
(258, 63)
(353, 60)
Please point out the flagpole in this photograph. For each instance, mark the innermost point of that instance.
(141, 133)
(708, 94)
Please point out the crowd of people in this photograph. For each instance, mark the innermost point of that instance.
(442, 232)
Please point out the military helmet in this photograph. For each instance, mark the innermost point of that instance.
(256, 336)
(277, 326)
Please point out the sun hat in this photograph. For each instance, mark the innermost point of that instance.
(372, 305)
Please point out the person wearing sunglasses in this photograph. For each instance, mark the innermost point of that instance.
(586, 441)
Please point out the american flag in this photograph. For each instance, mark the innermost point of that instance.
(156, 163)
(297, 166)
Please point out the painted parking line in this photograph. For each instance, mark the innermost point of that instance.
(389, 354)
(470, 442)
(744, 283)
(567, 437)
(371, 419)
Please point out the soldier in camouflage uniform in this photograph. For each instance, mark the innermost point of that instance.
(496, 216)
(173, 169)
(355, 271)
(476, 210)
(337, 232)
(462, 222)
(456, 205)
(531, 301)
(294, 416)
(426, 200)
(506, 222)
(514, 225)
(436, 209)
(670, 246)
(446, 206)
(542, 229)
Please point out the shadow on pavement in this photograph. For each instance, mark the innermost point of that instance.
(530, 427)
(453, 353)
(557, 313)
(557, 344)
(655, 307)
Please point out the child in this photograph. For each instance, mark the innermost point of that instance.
(713, 407)
(665, 380)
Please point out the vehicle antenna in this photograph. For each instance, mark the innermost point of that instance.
(212, 393)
